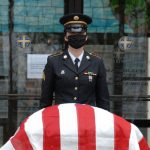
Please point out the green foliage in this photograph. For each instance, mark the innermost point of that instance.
(136, 10)
(135, 6)
(114, 4)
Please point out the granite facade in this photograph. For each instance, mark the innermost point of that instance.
(38, 15)
(4, 9)
(103, 17)
(33, 15)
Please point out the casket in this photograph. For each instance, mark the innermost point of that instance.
(76, 127)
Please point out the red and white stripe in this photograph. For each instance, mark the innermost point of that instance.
(76, 127)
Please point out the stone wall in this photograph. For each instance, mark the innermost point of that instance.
(38, 15)
(103, 17)
(4, 6)
(32, 15)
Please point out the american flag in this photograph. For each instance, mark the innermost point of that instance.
(76, 127)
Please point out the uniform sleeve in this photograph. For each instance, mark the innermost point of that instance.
(102, 94)
(47, 87)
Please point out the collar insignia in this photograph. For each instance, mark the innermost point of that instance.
(87, 57)
(65, 56)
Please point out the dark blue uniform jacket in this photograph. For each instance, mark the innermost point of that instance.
(87, 85)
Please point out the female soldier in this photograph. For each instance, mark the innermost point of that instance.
(75, 76)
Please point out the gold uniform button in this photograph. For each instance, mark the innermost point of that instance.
(76, 88)
(75, 98)
(76, 78)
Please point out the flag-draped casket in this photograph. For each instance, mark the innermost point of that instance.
(76, 127)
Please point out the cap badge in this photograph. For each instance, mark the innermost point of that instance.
(62, 72)
(76, 18)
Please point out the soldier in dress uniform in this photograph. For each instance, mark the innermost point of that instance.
(74, 75)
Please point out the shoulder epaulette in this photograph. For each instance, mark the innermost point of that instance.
(94, 54)
(56, 54)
